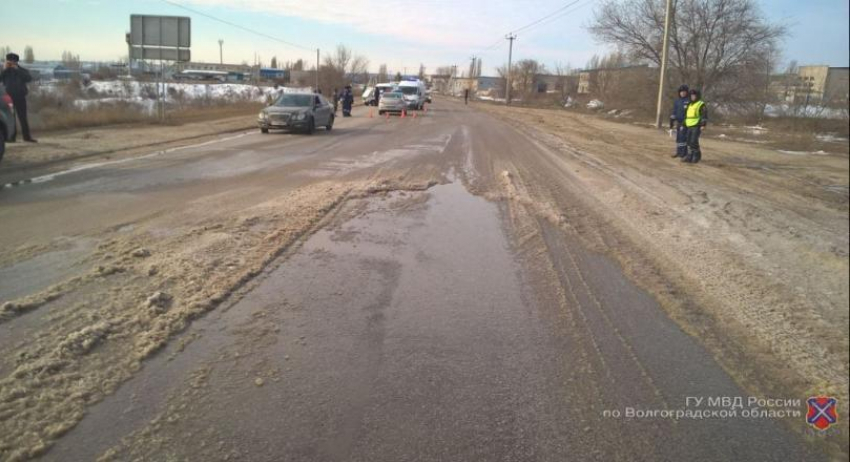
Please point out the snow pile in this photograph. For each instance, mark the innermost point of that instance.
(803, 153)
(831, 138)
(819, 112)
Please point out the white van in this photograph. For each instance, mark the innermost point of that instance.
(415, 93)
(369, 95)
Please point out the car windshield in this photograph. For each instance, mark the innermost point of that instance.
(408, 90)
(294, 101)
(392, 95)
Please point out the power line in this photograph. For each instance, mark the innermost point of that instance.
(232, 24)
(564, 13)
(538, 21)
(548, 18)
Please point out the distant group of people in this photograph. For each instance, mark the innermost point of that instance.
(14, 79)
(688, 118)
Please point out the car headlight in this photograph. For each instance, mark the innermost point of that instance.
(301, 116)
(263, 115)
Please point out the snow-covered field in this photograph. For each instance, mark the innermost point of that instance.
(144, 94)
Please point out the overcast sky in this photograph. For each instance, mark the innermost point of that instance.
(400, 33)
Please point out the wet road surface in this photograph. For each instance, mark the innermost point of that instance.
(408, 328)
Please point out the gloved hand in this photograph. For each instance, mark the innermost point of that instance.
(671, 132)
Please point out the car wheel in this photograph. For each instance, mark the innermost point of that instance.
(264, 130)
(330, 124)
(311, 127)
(380, 112)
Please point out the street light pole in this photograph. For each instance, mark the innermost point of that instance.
(663, 78)
(220, 51)
(317, 70)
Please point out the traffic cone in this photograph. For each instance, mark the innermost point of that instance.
(414, 115)
(388, 116)
(371, 111)
(403, 113)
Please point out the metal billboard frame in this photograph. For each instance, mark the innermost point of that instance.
(161, 38)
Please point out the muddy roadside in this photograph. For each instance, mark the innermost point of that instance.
(136, 284)
(748, 251)
(59, 150)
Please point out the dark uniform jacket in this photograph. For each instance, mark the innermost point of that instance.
(15, 80)
(680, 107)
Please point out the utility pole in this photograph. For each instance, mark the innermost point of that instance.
(220, 51)
(662, 80)
(317, 70)
(472, 68)
(511, 37)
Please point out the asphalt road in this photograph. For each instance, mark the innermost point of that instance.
(409, 326)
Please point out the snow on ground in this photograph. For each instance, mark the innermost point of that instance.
(144, 94)
(803, 153)
(819, 112)
(831, 138)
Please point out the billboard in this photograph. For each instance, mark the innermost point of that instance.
(160, 37)
(165, 54)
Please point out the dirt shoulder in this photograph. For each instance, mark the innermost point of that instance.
(57, 150)
(748, 250)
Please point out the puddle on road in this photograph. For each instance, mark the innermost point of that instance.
(37, 273)
(304, 320)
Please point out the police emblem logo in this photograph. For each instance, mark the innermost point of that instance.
(822, 412)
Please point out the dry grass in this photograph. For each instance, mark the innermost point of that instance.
(54, 119)
(57, 110)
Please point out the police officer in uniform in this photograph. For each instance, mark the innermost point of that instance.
(15, 79)
(677, 121)
(696, 116)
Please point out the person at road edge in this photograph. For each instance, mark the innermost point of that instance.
(347, 101)
(15, 79)
(696, 116)
(677, 121)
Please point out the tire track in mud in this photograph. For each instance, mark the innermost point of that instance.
(591, 337)
(754, 364)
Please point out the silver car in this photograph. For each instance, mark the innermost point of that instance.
(297, 111)
(391, 102)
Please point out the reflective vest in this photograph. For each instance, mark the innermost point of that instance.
(692, 115)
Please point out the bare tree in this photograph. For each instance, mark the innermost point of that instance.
(421, 72)
(567, 82)
(359, 65)
(341, 67)
(522, 75)
(383, 77)
(444, 70)
(70, 60)
(709, 39)
(29, 56)
(604, 78)
(274, 62)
